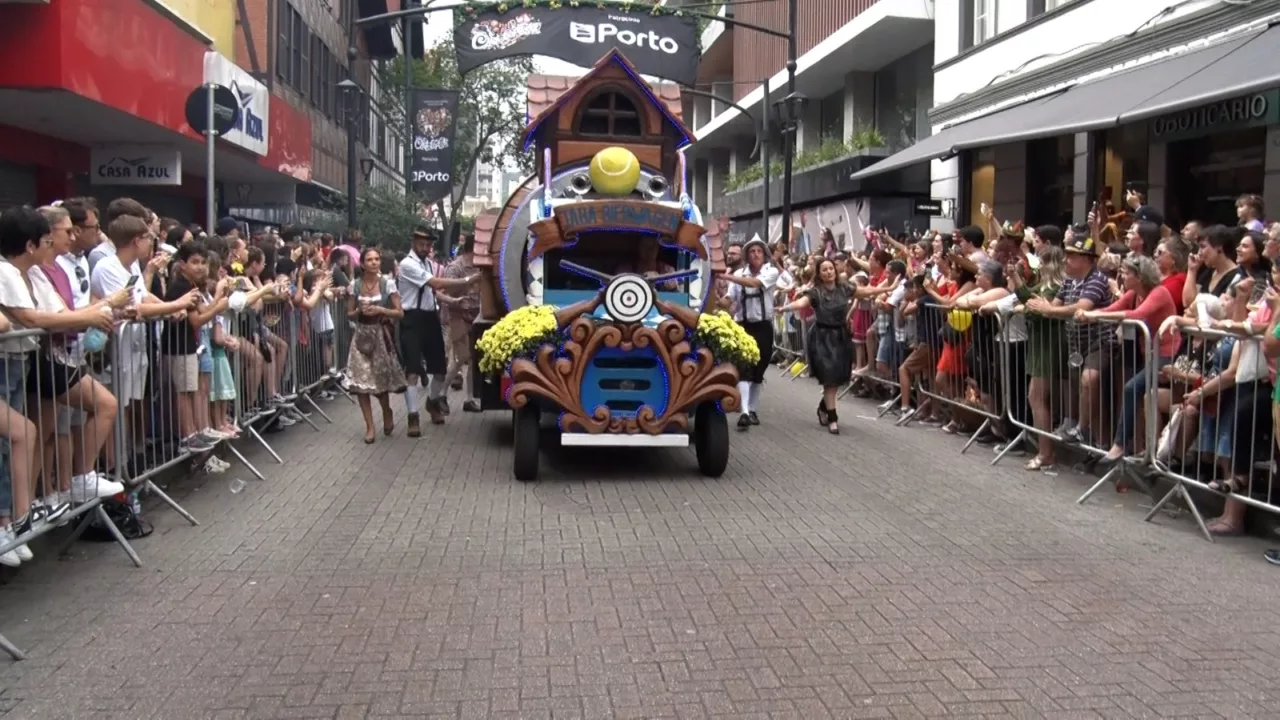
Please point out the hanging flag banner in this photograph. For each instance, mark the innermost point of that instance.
(662, 45)
(435, 114)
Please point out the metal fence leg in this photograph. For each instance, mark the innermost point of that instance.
(258, 436)
(885, 407)
(1110, 475)
(986, 423)
(101, 514)
(311, 400)
(1181, 490)
(245, 462)
(1010, 446)
(12, 649)
(151, 487)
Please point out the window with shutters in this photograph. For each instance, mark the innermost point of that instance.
(282, 39)
(304, 82)
(298, 36)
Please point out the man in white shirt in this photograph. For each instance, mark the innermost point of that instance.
(422, 347)
(84, 236)
(752, 291)
(131, 237)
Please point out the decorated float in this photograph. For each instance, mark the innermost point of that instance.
(597, 304)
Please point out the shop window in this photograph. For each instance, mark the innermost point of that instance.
(610, 112)
(982, 183)
(1050, 181)
(1120, 163)
(292, 56)
(1207, 174)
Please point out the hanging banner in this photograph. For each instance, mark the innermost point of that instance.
(662, 45)
(435, 115)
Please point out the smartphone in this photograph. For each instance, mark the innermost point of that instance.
(133, 280)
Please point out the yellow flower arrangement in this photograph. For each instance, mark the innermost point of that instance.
(518, 334)
(726, 339)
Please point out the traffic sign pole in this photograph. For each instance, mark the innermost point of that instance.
(211, 135)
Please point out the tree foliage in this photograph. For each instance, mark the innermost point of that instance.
(491, 110)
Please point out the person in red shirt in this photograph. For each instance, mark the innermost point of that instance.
(1144, 298)
(1171, 257)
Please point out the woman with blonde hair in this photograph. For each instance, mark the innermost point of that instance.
(1046, 365)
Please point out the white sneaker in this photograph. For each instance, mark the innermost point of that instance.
(286, 421)
(8, 559)
(214, 466)
(92, 485)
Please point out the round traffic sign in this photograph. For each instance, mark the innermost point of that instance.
(226, 110)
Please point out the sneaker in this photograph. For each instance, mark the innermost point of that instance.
(92, 485)
(325, 395)
(276, 401)
(444, 405)
(49, 510)
(1073, 435)
(21, 528)
(755, 419)
(195, 444)
(1272, 556)
(744, 422)
(214, 466)
(10, 558)
(472, 406)
(286, 421)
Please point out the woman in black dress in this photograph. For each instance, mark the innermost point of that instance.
(829, 344)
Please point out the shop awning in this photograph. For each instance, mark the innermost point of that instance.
(1189, 79)
(946, 142)
(1254, 66)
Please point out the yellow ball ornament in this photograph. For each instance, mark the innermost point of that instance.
(614, 171)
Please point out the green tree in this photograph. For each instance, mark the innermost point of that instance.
(491, 111)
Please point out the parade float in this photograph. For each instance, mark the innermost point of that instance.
(597, 307)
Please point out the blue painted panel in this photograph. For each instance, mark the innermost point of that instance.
(625, 381)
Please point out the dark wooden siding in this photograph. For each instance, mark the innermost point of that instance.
(757, 56)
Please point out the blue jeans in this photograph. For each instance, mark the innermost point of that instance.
(13, 390)
(1135, 392)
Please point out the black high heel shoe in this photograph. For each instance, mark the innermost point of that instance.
(832, 422)
(822, 412)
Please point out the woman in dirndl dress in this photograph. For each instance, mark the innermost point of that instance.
(829, 343)
(373, 368)
(752, 292)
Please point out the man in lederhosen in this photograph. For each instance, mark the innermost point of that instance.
(752, 295)
(421, 334)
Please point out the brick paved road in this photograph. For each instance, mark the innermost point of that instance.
(877, 574)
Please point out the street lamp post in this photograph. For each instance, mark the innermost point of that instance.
(351, 91)
(789, 109)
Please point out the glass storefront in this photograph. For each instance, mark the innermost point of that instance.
(1121, 159)
(1207, 174)
(982, 183)
(1050, 181)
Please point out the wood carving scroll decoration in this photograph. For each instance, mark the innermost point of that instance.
(693, 377)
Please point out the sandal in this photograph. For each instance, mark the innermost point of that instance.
(1228, 486)
(822, 412)
(832, 419)
(1224, 530)
(1036, 465)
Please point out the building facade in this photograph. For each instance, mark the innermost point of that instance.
(92, 94)
(1045, 108)
(864, 67)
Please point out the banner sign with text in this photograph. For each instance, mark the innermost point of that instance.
(662, 45)
(435, 114)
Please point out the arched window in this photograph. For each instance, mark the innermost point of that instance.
(610, 112)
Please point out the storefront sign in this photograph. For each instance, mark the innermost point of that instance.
(250, 129)
(135, 165)
(1234, 114)
(930, 207)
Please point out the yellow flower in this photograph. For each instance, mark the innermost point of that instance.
(726, 339)
(518, 334)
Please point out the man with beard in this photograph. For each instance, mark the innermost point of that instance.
(422, 343)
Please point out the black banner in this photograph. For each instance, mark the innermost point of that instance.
(662, 45)
(435, 115)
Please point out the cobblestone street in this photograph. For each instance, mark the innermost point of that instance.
(875, 574)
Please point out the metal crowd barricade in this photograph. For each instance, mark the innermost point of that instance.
(968, 368)
(1223, 443)
(877, 374)
(56, 424)
(788, 342)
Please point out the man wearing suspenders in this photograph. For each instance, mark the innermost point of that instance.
(422, 346)
(752, 297)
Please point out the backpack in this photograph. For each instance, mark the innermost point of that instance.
(124, 514)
